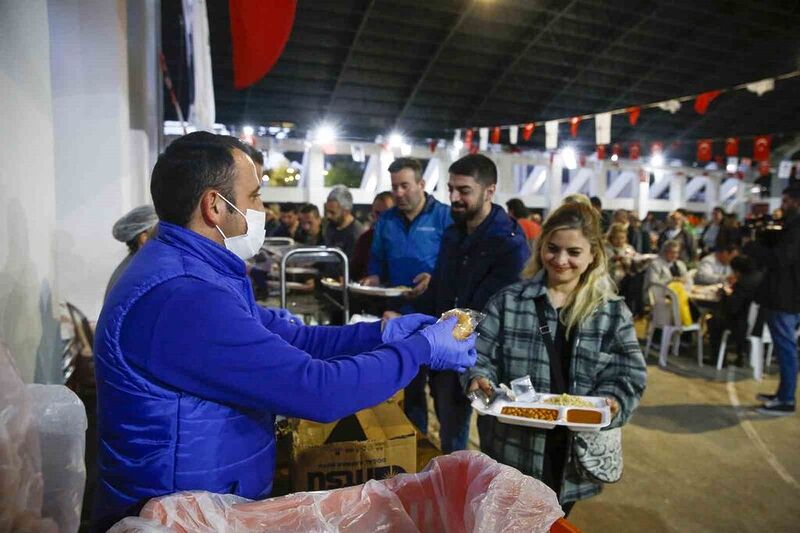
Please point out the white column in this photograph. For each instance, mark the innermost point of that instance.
(677, 191)
(554, 185)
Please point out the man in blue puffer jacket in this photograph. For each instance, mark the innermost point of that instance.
(191, 372)
(404, 249)
(482, 252)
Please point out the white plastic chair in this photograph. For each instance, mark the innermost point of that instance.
(665, 315)
(756, 344)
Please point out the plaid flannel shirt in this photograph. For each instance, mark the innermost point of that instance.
(606, 361)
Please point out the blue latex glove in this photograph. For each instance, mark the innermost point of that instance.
(448, 353)
(397, 329)
(286, 315)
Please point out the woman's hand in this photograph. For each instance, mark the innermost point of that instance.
(614, 405)
(482, 384)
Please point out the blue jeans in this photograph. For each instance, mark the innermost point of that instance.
(783, 328)
(452, 409)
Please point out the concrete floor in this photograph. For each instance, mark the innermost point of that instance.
(699, 458)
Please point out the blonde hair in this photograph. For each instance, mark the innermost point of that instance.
(577, 198)
(595, 286)
(616, 228)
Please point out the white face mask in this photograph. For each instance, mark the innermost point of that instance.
(247, 245)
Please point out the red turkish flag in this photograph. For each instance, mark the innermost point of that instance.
(761, 146)
(573, 126)
(527, 131)
(732, 146)
(633, 114)
(259, 31)
(704, 150)
(601, 151)
(468, 139)
(657, 148)
(634, 150)
(702, 101)
(432, 145)
(495, 137)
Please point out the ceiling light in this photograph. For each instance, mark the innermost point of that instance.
(324, 134)
(396, 140)
(657, 160)
(614, 157)
(248, 131)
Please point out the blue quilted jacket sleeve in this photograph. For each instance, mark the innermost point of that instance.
(199, 339)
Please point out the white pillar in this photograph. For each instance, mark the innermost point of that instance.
(554, 184)
(677, 191)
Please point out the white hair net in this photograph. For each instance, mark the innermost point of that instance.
(136, 221)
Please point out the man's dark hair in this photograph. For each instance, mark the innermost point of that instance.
(288, 208)
(478, 166)
(742, 264)
(187, 168)
(310, 208)
(384, 196)
(792, 191)
(728, 248)
(517, 208)
(406, 162)
(683, 211)
(596, 203)
(255, 154)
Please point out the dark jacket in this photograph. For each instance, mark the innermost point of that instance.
(639, 239)
(736, 306)
(471, 268)
(780, 290)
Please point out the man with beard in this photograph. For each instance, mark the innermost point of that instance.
(482, 252)
(404, 249)
(343, 229)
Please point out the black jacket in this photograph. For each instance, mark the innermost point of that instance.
(472, 268)
(780, 290)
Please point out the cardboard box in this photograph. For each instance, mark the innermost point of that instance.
(375, 443)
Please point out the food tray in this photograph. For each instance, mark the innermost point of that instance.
(495, 409)
(302, 270)
(357, 288)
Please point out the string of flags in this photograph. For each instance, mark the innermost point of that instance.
(602, 123)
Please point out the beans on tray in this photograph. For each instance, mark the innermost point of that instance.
(535, 413)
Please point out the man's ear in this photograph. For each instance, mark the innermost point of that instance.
(210, 208)
(490, 190)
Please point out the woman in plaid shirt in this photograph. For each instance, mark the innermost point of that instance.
(594, 343)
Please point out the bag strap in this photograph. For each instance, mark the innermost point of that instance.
(544, 330)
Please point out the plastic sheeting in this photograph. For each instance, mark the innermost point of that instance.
(42, 439)
(460, 492)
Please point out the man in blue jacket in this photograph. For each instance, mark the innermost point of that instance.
(482, 252)
(191, 372)
(404, 249)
